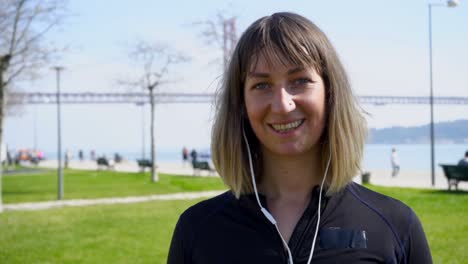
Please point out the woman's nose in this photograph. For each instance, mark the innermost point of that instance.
(282, 101)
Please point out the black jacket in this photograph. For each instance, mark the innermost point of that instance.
(357, 226)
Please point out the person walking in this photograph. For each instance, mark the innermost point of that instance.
(194, 155)
(80, 155)
(185, 154)
(68, 157)
(395, 162)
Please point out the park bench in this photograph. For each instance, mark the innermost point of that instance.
(199, 166)
(455, 174)
(104, 162)
(144, 163)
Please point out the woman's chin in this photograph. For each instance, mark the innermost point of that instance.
(290, 150)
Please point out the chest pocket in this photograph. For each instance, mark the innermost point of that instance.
(339, 238)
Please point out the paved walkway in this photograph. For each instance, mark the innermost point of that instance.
(121, 200)
(129, 166)
(413, 178)
(406, 178)
(416, 179)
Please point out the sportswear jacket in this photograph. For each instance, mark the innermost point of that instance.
(357, 226)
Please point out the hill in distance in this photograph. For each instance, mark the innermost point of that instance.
(455, 132)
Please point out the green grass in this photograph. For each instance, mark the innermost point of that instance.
(126, 233)
(98, 184)
(141, 233)
(12, 167)
(444, 216)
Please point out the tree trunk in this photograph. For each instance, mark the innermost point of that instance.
(2, 103)
(154, 172)
(4, 61)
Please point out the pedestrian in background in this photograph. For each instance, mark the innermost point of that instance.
(394, 160)
(68, 157)
(185, 154)
(80, 155)
(464, 161)
(194, 155)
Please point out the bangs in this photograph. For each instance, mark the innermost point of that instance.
(281, 40)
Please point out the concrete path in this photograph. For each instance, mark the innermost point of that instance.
(128, 166)
(413, 178)
(406, 178)
(121, 200)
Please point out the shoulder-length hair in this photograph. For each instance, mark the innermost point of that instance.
(291, 39)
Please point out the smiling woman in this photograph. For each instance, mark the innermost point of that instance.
(286, 108)
(288, 138)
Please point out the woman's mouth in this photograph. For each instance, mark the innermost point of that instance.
(284, 128)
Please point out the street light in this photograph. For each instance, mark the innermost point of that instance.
(143, 144)
(59, 135)
(449, 3)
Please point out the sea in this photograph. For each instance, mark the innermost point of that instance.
(412, 156)
(376, 156)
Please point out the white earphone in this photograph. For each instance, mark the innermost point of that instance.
(271, 218)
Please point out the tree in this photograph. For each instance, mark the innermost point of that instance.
(23, 27)
(221, 33)
(155, 60)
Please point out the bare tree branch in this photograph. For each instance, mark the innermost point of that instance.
(221, 33)
(14, 74)
(23, 26)
(19, 8)
(155, 60)
(131, 84)
(210, 33)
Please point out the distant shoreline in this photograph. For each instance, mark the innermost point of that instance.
(454, 132)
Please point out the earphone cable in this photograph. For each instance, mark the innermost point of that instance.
(262, 209)
(271, 218)
(319, 209)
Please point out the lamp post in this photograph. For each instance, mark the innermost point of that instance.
(143, 144)
(59, 135)
(35, 129)
(449, 3)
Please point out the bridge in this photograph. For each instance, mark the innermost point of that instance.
(170, 98)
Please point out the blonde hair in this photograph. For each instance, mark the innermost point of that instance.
(291, 39)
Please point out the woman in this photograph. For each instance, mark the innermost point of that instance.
(287, 139)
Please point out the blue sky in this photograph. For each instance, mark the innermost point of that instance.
(383, 45)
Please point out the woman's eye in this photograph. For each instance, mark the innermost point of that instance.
(261, 86)
(302, 81)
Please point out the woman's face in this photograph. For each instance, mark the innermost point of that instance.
(285, 106)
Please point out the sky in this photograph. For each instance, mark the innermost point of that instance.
(384, 46)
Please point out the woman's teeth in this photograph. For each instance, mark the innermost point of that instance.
(283, 128)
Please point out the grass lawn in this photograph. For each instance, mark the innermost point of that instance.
(98, 184)
(444, 216)
(125, 233)
(141, 233)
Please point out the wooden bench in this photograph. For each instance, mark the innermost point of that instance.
(103, 162)
(199, 166)
(144, 163)
(455, 174)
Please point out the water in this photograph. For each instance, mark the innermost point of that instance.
(376, 156)
(166, 155)
(412, 157)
